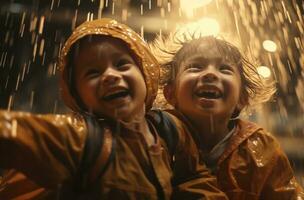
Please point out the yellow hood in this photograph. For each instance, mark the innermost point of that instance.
(149, 65)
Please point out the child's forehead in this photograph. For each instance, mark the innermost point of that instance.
(98, 42)
(209, 50)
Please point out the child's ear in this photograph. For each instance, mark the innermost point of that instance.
(169, 93)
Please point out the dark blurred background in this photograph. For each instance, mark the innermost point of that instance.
(33, 32)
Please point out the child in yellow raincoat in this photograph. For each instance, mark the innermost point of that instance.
(209, 83)
(107, 148)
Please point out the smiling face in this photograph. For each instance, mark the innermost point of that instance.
(207, 83)
(108, 80)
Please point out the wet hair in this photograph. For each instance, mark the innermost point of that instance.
(173, 50)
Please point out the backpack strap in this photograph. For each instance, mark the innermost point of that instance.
(105, 156)
(98, 152)
(166, 129)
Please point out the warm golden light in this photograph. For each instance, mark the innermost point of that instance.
(203, 27)
(269, 45)
(188, 6)
(264, 71)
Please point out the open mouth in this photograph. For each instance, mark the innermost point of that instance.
(209, 93)
(116, 95)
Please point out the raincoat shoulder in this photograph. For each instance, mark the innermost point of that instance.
(255, 167)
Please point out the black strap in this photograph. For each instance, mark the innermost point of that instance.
(166, 128)
(83, 185)
(95, 143)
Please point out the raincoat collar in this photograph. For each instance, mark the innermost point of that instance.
(244, 129)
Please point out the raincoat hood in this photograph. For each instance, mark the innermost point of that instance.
(108, 27)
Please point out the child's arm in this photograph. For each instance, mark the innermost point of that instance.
(47, 148)
(200, 186)
(281, 183)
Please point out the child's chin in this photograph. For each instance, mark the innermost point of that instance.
(122, 113)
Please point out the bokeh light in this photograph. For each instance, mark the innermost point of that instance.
(264, 71)
(269, 45)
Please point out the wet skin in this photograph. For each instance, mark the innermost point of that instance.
(207, 90)
(108, 79)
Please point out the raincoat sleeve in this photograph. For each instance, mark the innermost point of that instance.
(280, 183)
(14, 185)
(46, 148)
(192, 180)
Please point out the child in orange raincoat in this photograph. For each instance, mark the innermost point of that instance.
(209, 83)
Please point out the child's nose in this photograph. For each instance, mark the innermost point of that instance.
(209, 75)
(110, 76)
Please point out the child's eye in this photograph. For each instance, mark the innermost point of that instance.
(226, 68)
(123, 63)
(92, 73)
(194, 67)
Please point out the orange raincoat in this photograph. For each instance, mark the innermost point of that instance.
(253, 166)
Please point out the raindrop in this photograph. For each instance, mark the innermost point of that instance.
(52, 5)
(113, 8)
(300, 27)
(74, 20)
(22, 22)
(28, 66)
(7, 35)
(54, 68)
(101, 3)
(41, 24)
(35, 49)
(169, 7)
(17, 83)
(270, 59)
(11, 62)
(6, 82)
(43, 59)
(141, 9)
(58, 3)
(23, 72)
(142, 32)
(22, 30)
(289, 66)
(41, 47)
(124, 15)
(32, 99)
(55, 107)
(3, 61)
(33, 24)
(236, 24)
